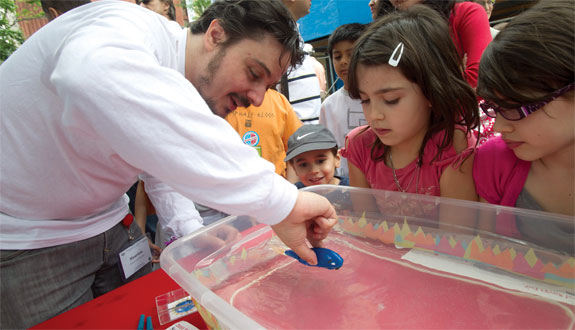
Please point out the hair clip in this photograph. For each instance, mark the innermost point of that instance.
(394, 58)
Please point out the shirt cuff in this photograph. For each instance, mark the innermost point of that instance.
(188, 227)
(280, 203)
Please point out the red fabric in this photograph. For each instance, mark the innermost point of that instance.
(127, 221)
(121, 308)
(499, 178)
(471, 34)
(379, 176)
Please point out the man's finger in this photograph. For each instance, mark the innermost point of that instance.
(305, 253)
(325, 224)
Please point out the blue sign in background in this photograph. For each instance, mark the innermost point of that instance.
(326, 15)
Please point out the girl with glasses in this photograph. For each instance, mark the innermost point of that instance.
(526, 80)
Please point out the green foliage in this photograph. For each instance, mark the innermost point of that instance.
(199, 6)
(32, 11)
(10, 34)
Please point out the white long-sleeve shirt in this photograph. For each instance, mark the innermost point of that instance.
(340, 114)
(304, 91)
(94, 99)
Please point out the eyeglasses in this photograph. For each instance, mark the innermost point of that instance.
(514, 114)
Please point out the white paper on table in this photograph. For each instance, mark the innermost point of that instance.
(463, 268)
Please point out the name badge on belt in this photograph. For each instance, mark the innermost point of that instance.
(137, 255)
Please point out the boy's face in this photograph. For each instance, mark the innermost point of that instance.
(316, 167)
(341, 55)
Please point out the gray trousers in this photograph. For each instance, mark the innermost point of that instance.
(36, 285)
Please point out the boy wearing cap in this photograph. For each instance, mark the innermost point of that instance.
(313, 153)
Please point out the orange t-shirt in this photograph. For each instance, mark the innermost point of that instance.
(267, 127)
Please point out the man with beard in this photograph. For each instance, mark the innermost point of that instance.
(107, 92)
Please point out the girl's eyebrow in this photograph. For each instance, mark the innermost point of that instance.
(387, 90)
(384, 90)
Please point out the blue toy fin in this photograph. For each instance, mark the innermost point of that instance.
(326, 258)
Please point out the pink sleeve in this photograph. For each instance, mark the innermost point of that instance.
(486, 174)
(498, 174)
(355, 149)
(471, 35)
(499, 177)
(449, 156)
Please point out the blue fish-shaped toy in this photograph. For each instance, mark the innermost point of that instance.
(326, 258)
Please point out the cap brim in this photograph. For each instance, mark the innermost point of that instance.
(309, 147)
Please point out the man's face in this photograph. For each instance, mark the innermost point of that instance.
(240, 74)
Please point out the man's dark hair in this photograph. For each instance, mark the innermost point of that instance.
(346, 32)
(61, 6)
(252, 19)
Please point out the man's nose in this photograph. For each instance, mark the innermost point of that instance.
(256, 95)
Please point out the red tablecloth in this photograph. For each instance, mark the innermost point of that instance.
(121, 308)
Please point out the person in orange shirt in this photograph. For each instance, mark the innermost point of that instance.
(267, 127)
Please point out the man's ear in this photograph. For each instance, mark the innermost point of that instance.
(53, 13)
(215, 35)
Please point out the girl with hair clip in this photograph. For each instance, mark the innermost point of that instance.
(526, 79)
(419, 109)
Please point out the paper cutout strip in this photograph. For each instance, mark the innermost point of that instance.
(477, 250)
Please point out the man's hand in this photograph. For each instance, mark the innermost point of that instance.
(312, 218)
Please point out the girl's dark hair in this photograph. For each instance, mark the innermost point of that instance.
(532, 57)
(346, 32)
(429, 60)
(383, 7)
(444, 7)
(252, 19)
(171, 9)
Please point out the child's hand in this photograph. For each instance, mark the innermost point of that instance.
(216, 239)
(311, 218)
(156, 251)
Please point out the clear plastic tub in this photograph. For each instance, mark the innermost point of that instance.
(410, 261)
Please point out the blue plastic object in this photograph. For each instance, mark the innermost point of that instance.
(326, 258)
(141, 322)
(149, 323)
(184, 306)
